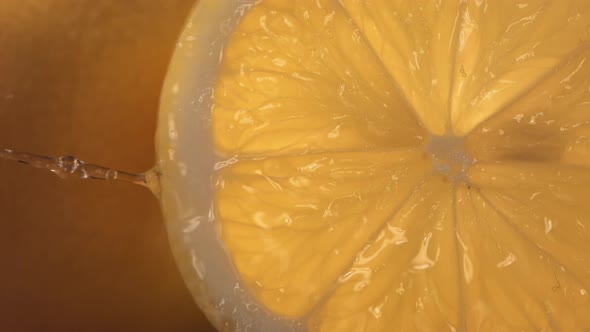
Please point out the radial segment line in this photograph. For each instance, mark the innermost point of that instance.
(396, 86)
(495, 240)
(454, 45)
(530, 241)
(552, 71)
(256, 157)
(459, 268)
(461, 318)
(324, 298)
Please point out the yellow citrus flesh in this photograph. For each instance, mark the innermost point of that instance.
(406, 278)
(294, 224)
(506, 47)
(549, 123)
(409, 165)
(414, 40)
(524, 247)
(290, 82)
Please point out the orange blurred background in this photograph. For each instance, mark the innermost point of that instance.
(83, 77)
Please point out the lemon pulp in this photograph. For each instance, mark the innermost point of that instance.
(397, 165)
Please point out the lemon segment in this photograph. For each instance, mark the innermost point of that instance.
(550, 123)
(415, 41)
(547, 204)
(510, 282)
(506, 47)
(293, 224)
(406, 279)
(289, 83)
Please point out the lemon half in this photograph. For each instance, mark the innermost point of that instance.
(407, 165)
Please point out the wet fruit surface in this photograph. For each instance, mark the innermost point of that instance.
(409, 165)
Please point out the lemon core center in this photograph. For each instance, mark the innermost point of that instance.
(449, 157)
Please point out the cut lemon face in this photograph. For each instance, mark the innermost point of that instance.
(408, 165)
